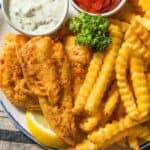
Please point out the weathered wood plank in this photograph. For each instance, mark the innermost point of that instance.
(5, 124)
(18, 146)
(14, 136)
(3, 114)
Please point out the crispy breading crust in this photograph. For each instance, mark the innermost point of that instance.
(50, 80)
(79, 57)
(12, 81)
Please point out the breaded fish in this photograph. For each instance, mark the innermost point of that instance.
(38, 69)
(79, 57)
(12, 81)
(1, 68)
(47, 70)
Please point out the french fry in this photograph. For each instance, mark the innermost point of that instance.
(141, 31)
(86, 145)
(133, 143)
(90, 122)
(123, 25)
(145, 22)
(122, 82)
(147, 14)
(136, 132)
(140, 84)
(145, 4)
(110, 130)
(143, 34)
(112, 100)
(106, 71)
(89, 81)
(136, 42)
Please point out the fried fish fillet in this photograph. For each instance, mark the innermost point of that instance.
(47, 70)
(79, 57)
(12, 81)
(35, 61)
(1, 68)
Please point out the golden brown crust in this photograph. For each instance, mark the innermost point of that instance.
(79, 57)
(1, 68)
(12, 80)
(50, 80)
(35, 59)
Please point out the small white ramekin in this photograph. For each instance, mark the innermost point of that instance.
(5, 5)
(107, 14)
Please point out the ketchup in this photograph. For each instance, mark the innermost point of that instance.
(97, 6)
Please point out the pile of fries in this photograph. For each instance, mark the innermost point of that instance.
(115, 96)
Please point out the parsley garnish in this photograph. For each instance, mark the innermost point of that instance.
(91, 31)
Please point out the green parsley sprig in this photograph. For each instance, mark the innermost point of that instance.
(91, 31)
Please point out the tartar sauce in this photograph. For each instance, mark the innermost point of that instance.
(36, 16)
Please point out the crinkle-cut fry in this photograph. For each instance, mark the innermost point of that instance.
(148, 80)
(133, 143)
(147, 14)
(90, 122)
(141, 31)
(123, 25)
(86, 145)
(145, 22)
(145, 5)
(140, 84)
(89, 81)
(143, 34)
(122, 82)
(112, 100)
(138, 131)
(136, 42)
(110, 130)
(147, 59)
(106, 71)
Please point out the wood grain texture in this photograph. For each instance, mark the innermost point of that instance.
(5, 123)
(4, 145)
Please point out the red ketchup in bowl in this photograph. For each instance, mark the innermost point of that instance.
(97, 6)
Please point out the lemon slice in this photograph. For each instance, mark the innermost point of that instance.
(40, 129)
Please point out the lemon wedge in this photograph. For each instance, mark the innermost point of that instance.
(40, 129)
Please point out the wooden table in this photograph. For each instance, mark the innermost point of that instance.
(11, 138)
